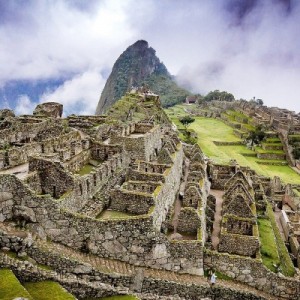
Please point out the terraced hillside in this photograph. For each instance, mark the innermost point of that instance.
(222, 142)
(11, 288)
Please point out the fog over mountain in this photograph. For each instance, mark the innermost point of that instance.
(64, 50)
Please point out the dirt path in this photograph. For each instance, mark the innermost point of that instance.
(177, 204)
(20, 171)
(218, 217)
(277, 214)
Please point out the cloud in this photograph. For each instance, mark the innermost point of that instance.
(47, 39)
(80, 94)
(250, 48)
(24, 105)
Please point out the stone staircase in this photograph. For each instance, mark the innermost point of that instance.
(102, 264)
(115, 266)
(112, 266)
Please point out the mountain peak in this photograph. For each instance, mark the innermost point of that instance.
(137, 65)
(140, 44)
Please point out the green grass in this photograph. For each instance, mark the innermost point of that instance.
(286, 263)
(209, 130)
(85, 170)
(268, 249)
(10, 286)
(297, 193)
(112, 214)
(47, 290)
(273, 140)
(260, 150)
(120, 297)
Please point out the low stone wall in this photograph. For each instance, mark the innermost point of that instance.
(192, 291)
(254, 273)
(267, 146)
(273, 163)
(218, 143)
(271, 156)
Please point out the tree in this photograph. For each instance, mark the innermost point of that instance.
(186, 120)
(257, 135)
(217, 95)
(260, 102)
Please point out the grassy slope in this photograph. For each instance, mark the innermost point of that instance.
(268, 249)
(10, 287)
(210, 130)
(47, 290)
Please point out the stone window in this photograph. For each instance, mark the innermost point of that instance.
(80, 189)
(95, 179)
(87, 185)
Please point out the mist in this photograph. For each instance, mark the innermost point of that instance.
(248, 48)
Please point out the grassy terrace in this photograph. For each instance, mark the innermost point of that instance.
(10, 287)
(210, 130)
(269, 253)
(47, 290)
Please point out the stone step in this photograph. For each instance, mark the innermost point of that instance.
(116, 266)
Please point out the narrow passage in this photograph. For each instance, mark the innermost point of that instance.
(218, 217)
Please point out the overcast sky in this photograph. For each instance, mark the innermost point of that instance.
(63, 50)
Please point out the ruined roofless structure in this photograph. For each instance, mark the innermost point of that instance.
(116, 204)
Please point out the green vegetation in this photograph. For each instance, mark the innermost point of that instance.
(85, 170)
(210, 130)
(217, 95)
(186, 120)
(256, 135)
(294, 141)
(10, 287)
(112, 214)
(268, 248)
(47, 290)
(168, 90)
(222, 276)
(286, 263)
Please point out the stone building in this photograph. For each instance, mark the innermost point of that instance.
(239, 232)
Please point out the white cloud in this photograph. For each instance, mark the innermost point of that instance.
(57, 39)
(24, 105)
(80, 94)
(200, 41)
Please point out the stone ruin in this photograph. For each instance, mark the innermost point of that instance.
(123, 192)
(239, 232)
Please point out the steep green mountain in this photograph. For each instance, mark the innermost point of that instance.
(136, 66)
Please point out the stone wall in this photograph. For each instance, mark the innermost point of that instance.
(132, 202)
(130, 239)
(192, 291)
(55, 181)
(271, 156)
(254, 273)
(238, 244)
(188, 221)
(86, 187)
(169, 189)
